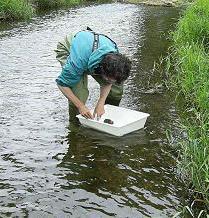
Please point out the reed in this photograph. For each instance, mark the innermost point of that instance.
(15, 9)
(190, 78)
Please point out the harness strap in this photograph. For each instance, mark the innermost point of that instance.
(110, 40)
(89, 29)
(96, 41)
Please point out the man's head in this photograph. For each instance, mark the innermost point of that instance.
(115, 68)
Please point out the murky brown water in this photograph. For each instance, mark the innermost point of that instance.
(50, 168)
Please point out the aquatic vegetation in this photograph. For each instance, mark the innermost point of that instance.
(190, 64)
(15, 9)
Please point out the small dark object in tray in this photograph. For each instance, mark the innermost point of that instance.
(109, 121)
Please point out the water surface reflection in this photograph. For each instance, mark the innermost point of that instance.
(49, 168)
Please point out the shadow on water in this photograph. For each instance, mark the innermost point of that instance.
(51, 169)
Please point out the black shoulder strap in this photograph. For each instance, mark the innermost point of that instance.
(96, 42)
(96, 39)
(110, 40)
(89, 29)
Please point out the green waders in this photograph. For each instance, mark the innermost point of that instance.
(81, 88)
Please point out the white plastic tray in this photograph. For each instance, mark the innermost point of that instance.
(125, 120)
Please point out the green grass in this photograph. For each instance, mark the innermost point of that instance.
(52, 4)
(15, 9)
(190, 78)
(24, 9)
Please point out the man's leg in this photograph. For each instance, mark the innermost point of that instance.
(115, 94)
(81, 91)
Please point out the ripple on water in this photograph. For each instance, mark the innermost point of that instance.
(51, 169)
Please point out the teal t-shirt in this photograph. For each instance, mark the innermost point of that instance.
(82, 59)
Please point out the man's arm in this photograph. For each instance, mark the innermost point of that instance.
(83, 110)
(99, 109)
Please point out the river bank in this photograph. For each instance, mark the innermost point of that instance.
(167, 3)
(26, 9)
(189, 78)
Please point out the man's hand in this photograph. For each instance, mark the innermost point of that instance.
(85, 112)
(99, 110)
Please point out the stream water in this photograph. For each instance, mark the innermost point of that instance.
(52, 168)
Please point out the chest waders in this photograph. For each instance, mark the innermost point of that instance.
(80, 90)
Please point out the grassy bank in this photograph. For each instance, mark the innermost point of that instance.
(190, 78)
(15, 9)
(168, 3)
(50, 4)
(25, 9)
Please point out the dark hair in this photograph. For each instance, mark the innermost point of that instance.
(116, 66)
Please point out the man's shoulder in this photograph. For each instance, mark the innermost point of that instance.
(83, 34)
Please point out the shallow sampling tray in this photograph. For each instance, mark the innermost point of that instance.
(124, 120)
